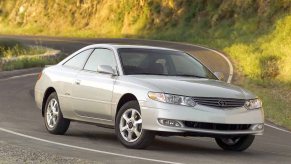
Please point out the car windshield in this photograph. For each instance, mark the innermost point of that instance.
(140, 61)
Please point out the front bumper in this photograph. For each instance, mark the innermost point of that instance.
(152, 111)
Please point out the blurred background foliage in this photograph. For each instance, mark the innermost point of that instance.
(254, 33)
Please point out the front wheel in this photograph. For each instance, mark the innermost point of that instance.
(128, 127)
(235, 143)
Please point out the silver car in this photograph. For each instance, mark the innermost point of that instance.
(143, 91)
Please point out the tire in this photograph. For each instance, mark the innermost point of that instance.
(132, 126)
(235, 143)
(54, 121)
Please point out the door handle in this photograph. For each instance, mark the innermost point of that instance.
(78, 82)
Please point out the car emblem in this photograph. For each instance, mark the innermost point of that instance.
(221, 103)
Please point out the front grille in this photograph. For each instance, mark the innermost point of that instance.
(214, 126)
(219, 102)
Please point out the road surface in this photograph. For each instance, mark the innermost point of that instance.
(21, 122)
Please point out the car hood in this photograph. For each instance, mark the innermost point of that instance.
(196, 87)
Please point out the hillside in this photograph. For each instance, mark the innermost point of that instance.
(254, 33)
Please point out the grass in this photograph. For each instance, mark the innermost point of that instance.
(276, 103)
(276, 99)
(29, 63)
(12, 48)
(267, 57)
(14, 55)
(254, 33)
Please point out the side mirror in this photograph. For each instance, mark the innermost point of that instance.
(219, 75)
(106, 69)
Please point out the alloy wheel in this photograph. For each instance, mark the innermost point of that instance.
(131, 125)
(52, 113)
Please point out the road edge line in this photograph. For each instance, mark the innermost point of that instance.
(86, 149)
(277, 128)
(19, 76)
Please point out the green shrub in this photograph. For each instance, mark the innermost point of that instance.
(12, 48)
(270, 67)
(25, 56)
(29, 63)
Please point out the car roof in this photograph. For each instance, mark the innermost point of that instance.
(117, 46)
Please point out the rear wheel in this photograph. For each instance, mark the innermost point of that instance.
(128, 127)
(235, 143)
(53, 117)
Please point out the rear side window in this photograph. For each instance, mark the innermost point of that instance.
(100, 57)
(78, 60)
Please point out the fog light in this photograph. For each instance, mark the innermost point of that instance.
(258, 127)
(168, 122)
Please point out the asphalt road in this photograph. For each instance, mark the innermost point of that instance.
(21, 122)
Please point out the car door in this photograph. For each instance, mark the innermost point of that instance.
(92, 90)
(67, 74)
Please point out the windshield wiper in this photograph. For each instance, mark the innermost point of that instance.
(187, 75)
(144, 73)
(184, 75)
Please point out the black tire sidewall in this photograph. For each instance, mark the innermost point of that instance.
(244, 143)
(146, 136)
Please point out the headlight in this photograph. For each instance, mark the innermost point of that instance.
(172, 99)
(253, 104)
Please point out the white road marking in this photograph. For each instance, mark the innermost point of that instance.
(87, 149)
(277, 128)
(19, 76)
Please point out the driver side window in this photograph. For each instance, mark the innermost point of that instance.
(100, 56)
